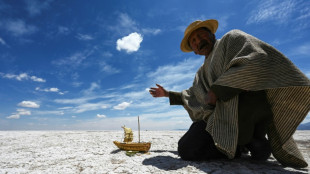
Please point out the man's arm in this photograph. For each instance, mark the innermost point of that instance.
(175, 98)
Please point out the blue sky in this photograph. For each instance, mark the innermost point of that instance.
(87, 65)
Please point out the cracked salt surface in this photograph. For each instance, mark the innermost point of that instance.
(94, 152)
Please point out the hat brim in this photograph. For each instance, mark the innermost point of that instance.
(211, 24)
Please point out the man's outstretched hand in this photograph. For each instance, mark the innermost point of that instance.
(159, 92)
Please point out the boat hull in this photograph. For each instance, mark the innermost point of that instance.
(142, 147)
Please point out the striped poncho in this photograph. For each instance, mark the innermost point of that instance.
(241, 61)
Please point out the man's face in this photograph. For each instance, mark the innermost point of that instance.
(201, 41)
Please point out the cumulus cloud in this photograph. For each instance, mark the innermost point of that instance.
(130, 43)
(122, 106)
(28, 104)
(22, 76)
(101, 116)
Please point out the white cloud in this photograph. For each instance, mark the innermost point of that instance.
(307, 119)
(63, 30)
(35, 7)
(28, 104)
(74, 60)
(19, 113)
(37, 79)
(2, 41)
(130, 43)
(107, 54)
(19, 27)
(303, 49)
(84, 37)
(65, 108)
(47, 112)
(83, 104)
(179, 76)
(151, 31)
(101, 116)
(125, 23)
(89, 107)
(175, 119)
(223, 20)
(13, 116)
(122, 106)
(74, 100)
(23, 112)
(93, 86)
(22, 76)
(272, 10)
(56, 90)
(136, 95)
(308, 74)
(108, 68)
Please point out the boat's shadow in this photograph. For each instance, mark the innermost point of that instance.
(116, 151)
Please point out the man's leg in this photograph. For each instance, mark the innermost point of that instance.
(197, 144)
(253, 117)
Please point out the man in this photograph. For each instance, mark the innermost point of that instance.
(244, 90)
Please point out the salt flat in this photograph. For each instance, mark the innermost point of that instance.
(94, 152)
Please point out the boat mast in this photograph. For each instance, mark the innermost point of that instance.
(139, 128)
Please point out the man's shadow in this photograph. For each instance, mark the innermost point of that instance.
(169, 163)
(165, 163)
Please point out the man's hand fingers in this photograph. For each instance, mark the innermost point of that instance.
(159, 86)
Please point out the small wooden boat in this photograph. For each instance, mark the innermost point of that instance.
(127, 143)
(141, 147)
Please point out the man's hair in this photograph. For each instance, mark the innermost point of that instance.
(207, 29)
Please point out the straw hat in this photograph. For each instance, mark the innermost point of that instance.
(211, 24)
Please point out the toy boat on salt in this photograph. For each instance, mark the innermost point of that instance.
(127, 143)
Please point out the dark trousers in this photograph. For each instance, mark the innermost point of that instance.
(253, 115)
(197, 144)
